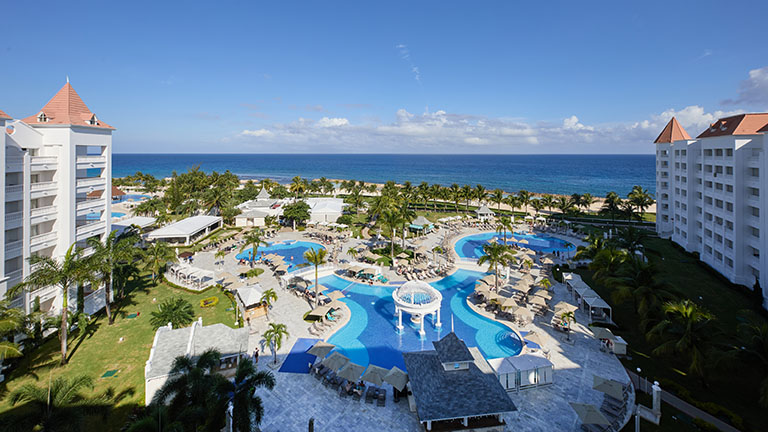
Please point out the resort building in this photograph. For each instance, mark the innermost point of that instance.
(192, 341)
(325, 209)
(455, 388)
(711, 195)
(56, 191)
(186, 230)
(254, 212)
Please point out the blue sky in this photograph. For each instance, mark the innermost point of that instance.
(394, 76)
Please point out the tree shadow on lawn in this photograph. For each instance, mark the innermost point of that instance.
(86, 333)
(141, 285)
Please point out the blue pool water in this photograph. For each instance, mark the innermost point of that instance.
(291, 251)
(371, 335)
(95, 216)
(131, 197)
(472, 246)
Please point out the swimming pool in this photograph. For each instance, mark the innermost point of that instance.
(472, 246)
(292, 252)
(371, 336)
(95, 216)
(131, 198)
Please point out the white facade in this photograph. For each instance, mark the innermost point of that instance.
(711, 197)
(52, 160)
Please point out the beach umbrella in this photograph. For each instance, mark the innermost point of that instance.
(589, 414)
(281, 268)
(422, 266)
(319, 311)
(350, 372)
(509, 303)
(493, 296)
(482, 289)
(544, 294)
(610, 387)
(321, 349)
(562, 306)
(534, 337)
(335, 295)
(335, 304)
(547, 261)
(522, 241)
(493, 240)
(603, 333)
(536, 300)
(397, 378)
(524, 313)
(403, 255)
(375, 375)
(522, 287)
(335, 361)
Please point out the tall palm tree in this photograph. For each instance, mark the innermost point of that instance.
(70, 271)
(513, 201)
(195, 393)
(497, 197)
(268, 297)
(631, 239)
(612, 205)
(565, 204)
(481, 193)
(406, 216)
(316, 257)
(467, 193)
(455, 195)
(607, 262)
(105, 258)
(586, 201)
(496, 254)
(525, 198)
(391, 219)
(537, 205)
(380, 204)
(11, 323)
(247, 408)
(274, 337)
(62, 405)
(254, 239)
(640, 199)
(685, 331)
(504, 226)
(549, 202)
(298, 186)
(638, 280)
(156, 256)
(568, 318)
(422, 191)
(435, 193)
(595, 243)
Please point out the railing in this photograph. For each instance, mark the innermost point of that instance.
(14, 160)
(40, 238)
(11, 246)
(13, 217)
(42, 186)
(90, 181)
(14, 274)
(85, 159)
(14, 189)
(42, 211)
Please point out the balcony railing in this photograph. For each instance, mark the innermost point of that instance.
(15, 274)
(90, 181)
(13, 217)
(43, 211)
(91, 158)
(11, 247)
(43, 159)
(40, 238)
(14, 189)
(39, 186)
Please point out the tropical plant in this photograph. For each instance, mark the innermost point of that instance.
(105, 258)
(72, 270)
(565, 204)
(297, 213)
(686, 332)
(524, 198)
(612, 205)
(640, 199)
(495, 255)
(504, 226)
(274, 337)
(254, 239)
(467, 193)
(455, 194)
(11, 322)
(157, 255)
(586, 201)
(177, 311)
(316, 257)
(268, 297)
(481, 193)
(631, 239)
(548, 201)
(595, 243)
(638, 280)
(392, 219)
(753, 338)
(568, 318)
(607, 262)
(406, 216)
(247, 408)
(497, 197)
(537, 205)
(298, 186)
(62, 405)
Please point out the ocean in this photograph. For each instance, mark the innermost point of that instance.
(556, 174)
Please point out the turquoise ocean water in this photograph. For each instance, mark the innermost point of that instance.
(559, 174)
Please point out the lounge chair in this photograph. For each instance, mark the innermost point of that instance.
(370, 394)
(328, 378)
(356, 396)
(382, 398)
(342, 389)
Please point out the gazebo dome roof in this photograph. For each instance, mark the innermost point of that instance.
(417, 293)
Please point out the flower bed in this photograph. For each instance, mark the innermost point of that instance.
(209, 302)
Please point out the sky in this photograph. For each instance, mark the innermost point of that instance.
(491, 77)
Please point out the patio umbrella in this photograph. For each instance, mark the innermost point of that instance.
(524, 313)
(335, 360)
(335, 295)
(355, 269)
(533, 337)
(589, 414)
(522, 241)
(536, 300)
(403, 255)
(546, 295)
(375, 375)
(422, 251)
(397, 378)
(493, 296)
(547, 261)
(493, 240)
(509, 303)
(422, 266)
(489, 279)
(565, 307)
(350, 372)
(321, 349)
(610, 387)
(335, 304)
(319, 311)
(603, 333)
(482, 290)
(522, 287)
(281, 268)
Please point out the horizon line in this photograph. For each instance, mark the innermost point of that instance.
(391, 154)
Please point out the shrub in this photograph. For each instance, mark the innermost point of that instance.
(345, 219)
(176, 311)
(252, 272)
(209, 302)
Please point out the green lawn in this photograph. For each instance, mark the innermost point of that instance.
(735, 389)
(102, 350)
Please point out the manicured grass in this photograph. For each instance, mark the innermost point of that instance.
(734, 387)
(101, 350)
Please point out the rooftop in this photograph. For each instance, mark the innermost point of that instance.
(66, 108)
(742, 124)
(140, 221)
(451, 349)
(672, 132)
(185, 227)
(4, 116)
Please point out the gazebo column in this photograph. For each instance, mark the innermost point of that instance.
(439, 323)
(421, 331)
(466, 421)
(429, 424)
(399, 319)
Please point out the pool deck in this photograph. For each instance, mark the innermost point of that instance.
(298, 397)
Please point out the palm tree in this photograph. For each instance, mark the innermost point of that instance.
(537, 205)
(246, 405)
(638, 280)
(525, 198)
(753, 335)
(568, 318)
(316, 257)
(380, 204)
(467, 193)
(504, 226)
(564, 204)
(612, 205)
(194, 393)
(586, 201)
(495, 255)
(253, 239)
(11, 323)
(70, 271)
(298, 186)
(106, 256)
(268, 297)
(60, 406)
(595, 243)
(219, 256)
(641, 199)
(392, 220)
(455, 193)
(356, 198)
(274, 337)
(497, 197)
(607, 263)
(684, 332)
(423, 193)
(177, 311)
(156, 256)
(435, 193)
(513, 201)
(548, 201)
(481, 193)
(631, 239)
(406, 216)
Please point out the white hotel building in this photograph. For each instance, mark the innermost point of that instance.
(52, 160)
(712, 195)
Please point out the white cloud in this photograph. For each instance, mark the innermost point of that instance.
(753, 90)
(326, 122)
(693, 118)
(256, 133)
(572, 123)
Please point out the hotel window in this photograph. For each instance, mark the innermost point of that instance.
(728, 244)
(708, 200)
(698, 167)
(755, 232)
(754, 172)
(684, 165)
(683, 152)
(665, 218)
(729, 188)
(699, 239)
(719, 152)
(755, 211)
(698, 210)
(718, 186)
(708, 250)
(685, 221)
(708, 233)
(677, 230)
(729, 207)
(698, 195)
(718, 238)
(729, 225)
(698, 225)
(677, 152)
(677, 164)
(708, 217)
(708, 168)
(684, 206)
(755, 192)
(729, 170)
(719, 220)
(684, 192)
(729, 152)
(729, 262)
(685, 234)
(718, 256)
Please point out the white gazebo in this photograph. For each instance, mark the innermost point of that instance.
(484, 212)
(523, 371)
(419, 299)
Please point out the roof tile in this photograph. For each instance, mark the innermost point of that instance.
(67, 108)
(672, 132)
(742, 124)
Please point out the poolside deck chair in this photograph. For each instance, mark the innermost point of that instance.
(342, 390)
(356, 396)
(328, 378)
(370, 394)
(382, 398)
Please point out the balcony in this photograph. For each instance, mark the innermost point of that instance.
(43, 163)
(14, 193)
(14, 276)
(13, 220)
(43, 214)
(753, 162)
(89, 206)
(14, 164)
(13, 249)
(43, 241)
(90, 162)
(43, 189)
(87, 229)
(90, 184)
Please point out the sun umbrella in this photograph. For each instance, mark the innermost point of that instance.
(493, 240)
(319, 311)
(403, 255)
(335, 360)
(185, 254)
(350, 372)
(524, 313)
(397, 378)
(321, 349)
(536, 300)
(522, 241)
(335, 304)
(375, 375)
(335, 295)
(589, 414)
(603, 333)
(546, 295)
(493, 296)
(565, 307)
(482, 290)
(509, 303)
(610, 387)
(533, 337)
(281, 268)
(522, 287)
